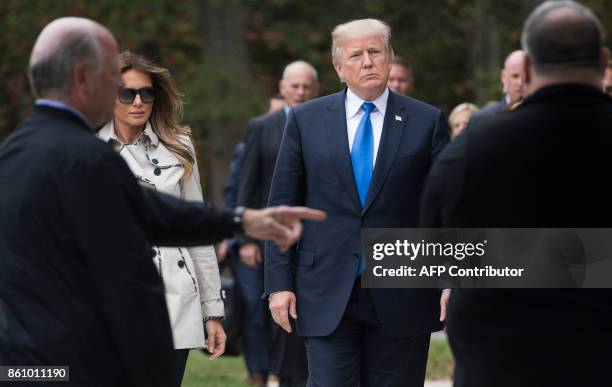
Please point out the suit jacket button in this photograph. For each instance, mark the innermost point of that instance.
(157, 171)
(181, 264)
(356, 256)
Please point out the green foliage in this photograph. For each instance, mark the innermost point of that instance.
(437, 36)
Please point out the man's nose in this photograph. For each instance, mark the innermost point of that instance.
(367, 61)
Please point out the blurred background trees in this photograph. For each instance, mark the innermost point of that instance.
(227, 55)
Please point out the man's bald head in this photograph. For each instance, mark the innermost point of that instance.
(299, 84)
(513, 77)
(60, 46)
(560, 35)
(300, 66)
(515, 58)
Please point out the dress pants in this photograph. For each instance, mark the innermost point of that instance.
(255, 324)
(181, 362)
(360, 353)
(288, 357)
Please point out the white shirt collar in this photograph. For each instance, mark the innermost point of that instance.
(107, 133)
(354, 102)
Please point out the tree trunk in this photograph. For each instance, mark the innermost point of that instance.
(486, 52)
(225, 60)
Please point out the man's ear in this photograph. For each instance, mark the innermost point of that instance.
(527, 69)
(339, 71)
(81, 78)
(605, 58)
(281, 85)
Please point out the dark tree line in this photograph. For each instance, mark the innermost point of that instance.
(227, 55)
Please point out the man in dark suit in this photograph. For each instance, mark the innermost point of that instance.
(362, 155)
(287, 358)
(512, 78)
(536, 166)
(77, 285)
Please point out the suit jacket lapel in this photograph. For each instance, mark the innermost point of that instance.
(335, 120)
(390, 140)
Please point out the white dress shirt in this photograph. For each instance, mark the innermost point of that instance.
(354, 114)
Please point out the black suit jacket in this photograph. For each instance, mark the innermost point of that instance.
(314, 169)
(77, 284)
(544, 164)
(260, 150)
(493, 108)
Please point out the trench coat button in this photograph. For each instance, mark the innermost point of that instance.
(154, 161)
(181, 264)
(157, 171)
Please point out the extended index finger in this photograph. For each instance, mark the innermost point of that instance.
(304, 213)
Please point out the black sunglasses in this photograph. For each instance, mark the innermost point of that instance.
(147, 94)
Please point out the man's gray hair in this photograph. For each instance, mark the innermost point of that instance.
(362, 28)
(51, 75)
(300, 64)
(572, 37)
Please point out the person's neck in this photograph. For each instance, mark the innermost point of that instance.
(589, 78)
(127, 133)
(368, 94)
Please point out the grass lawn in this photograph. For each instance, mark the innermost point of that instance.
(230, 371)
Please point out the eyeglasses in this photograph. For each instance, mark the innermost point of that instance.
(147, 94)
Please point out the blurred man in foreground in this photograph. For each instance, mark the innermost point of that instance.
(77, 285)
(538, 166)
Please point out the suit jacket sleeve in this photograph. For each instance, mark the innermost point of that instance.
(249, 181)
(444, 185)
(103, 205)
(230, 193)
(173, 222)
(440, 136)
(288, 185)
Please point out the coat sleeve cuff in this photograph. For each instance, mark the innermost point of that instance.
(213, 308)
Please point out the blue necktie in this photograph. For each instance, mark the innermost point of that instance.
(362, 157)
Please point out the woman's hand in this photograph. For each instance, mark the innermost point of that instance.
(215, 344)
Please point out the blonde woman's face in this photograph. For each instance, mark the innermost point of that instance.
(135, 114)
(460, 121)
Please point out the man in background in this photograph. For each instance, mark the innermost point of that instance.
(401, 77)
(513, 81)
(287, 358)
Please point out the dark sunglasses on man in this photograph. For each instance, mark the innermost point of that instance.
(147, 94)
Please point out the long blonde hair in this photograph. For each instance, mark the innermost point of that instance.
(167, 109)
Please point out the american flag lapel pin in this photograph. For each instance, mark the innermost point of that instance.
(398, 118)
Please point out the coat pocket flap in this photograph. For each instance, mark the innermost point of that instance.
(305, 258)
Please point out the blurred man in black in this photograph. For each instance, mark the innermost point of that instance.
(536, 166)
(77, 284)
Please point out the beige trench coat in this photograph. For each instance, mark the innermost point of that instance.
(191, 275)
